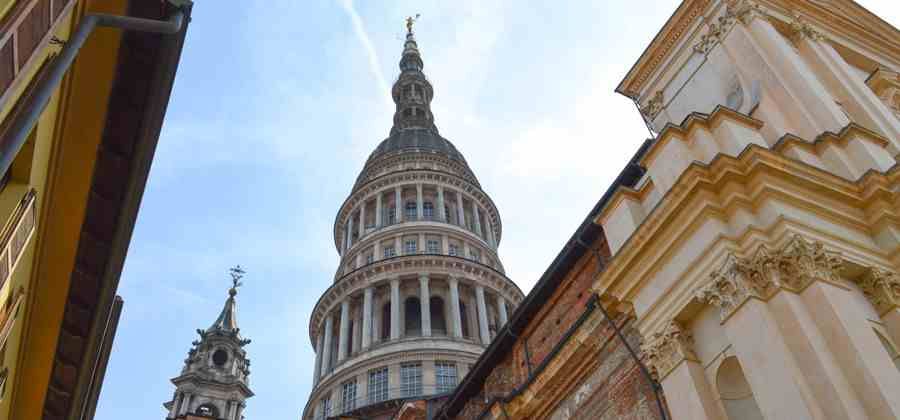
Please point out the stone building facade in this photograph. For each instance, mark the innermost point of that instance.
(754, 241)
(420, 290)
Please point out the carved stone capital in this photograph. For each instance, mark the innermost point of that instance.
(793, 267)
(882, 288)
(666, 349)
(800, 29)
(730, 286)
(744, 10)
(801, 262)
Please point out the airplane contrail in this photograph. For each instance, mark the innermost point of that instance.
(360, 29)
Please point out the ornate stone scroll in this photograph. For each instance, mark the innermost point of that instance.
(882, 288)
(666, 349)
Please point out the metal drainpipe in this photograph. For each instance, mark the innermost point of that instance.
(36, 102)
(657, 388)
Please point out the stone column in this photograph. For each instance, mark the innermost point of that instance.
(780, 388)
(465, 250)
(240, 411)
(483, 330)
(398, 204)
(421, 244)
(688, 394)
(362, 219)
(398, 245)
(355, 331)
(367, 318)
(379, 210)
(489, 231)
(838, 75)
(326, 351)
(882, 289)
(501, 309)
(454, 307)
(344, 330)
(420, 215)
(185, 403)
(445, 245)
(442, 215)
(461, 214)
(476, 218)
(317, 369)
(350, 231)
(395, 308)
(376, 251)
(229, 410)
(176, 405)
(868, 367)
(810, 95)
(425, 304)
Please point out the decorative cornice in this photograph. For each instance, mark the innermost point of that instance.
(666, 349)
(882, 288)
(793, 267)
(661, 46)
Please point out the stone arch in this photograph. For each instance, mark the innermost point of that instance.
(735, 392)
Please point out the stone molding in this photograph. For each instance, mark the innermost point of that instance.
(666, 349)
(881, 288)
(792, 267)
(886, 84)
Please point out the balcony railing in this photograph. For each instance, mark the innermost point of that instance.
(15, 236)
(13, 239)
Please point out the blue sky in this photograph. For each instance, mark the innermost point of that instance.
(276, 106)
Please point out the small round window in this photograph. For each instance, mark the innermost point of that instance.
(220, 357)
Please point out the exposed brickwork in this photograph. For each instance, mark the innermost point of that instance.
(562, 310)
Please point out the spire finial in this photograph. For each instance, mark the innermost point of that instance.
(237, 273)
(409, 23)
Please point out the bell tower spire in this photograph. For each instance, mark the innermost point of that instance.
(412, 93)
(214, 382)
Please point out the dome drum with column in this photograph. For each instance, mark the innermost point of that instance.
(420, 290)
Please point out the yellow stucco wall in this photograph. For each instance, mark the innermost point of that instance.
(62, 157)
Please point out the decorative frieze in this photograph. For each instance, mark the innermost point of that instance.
(793, 267)
(666, 349)
(882, 288)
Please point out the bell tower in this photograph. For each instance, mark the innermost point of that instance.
(214, 383)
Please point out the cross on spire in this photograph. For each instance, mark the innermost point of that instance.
(237, 273)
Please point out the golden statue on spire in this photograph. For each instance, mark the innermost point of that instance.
(410, 21)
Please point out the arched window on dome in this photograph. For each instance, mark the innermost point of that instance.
(386, 321)
(428, 210)
(436, 309)
(412, 310)
(411, 210)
